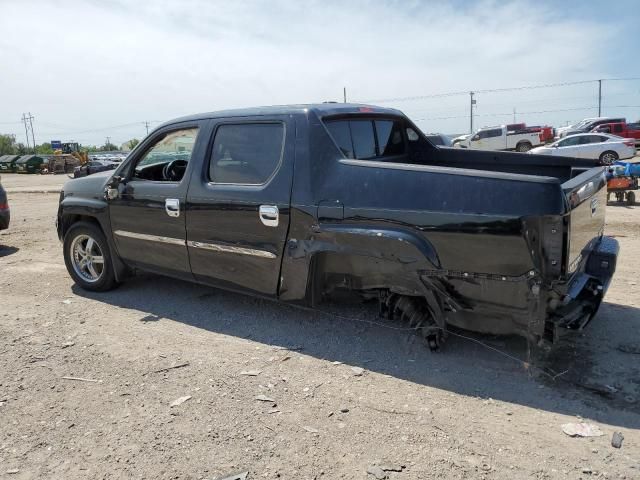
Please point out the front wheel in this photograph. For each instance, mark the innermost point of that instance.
(608, 157)
(523, 147)
(88, 257)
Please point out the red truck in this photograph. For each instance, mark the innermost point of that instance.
(621, 129)
(546, 132)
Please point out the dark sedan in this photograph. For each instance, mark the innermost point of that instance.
(94, 166)
(4, 209)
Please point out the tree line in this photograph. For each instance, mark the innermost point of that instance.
(9, 146)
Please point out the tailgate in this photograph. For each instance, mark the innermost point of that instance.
(586, 196)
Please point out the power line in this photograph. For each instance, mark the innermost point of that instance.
(497, 90)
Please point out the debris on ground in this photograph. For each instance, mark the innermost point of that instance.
(80, 379)
(377, 472)
(13, 471)
(392, 467)
(251, 373)
(582, 430)
(616, 440)
(172, 367)
(310, 429)
(357, 371)
(344, 410)
(67, 344)
(264, 398)
(179, 401)
(237, 476)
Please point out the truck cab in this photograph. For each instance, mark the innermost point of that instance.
(621, 129)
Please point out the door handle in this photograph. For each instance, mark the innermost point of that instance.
(172, 207)
(269, 215)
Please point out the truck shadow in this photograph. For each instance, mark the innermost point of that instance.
(594, 375)
(6, 250)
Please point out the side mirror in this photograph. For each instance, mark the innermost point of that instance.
(112, 190)
(475, 138)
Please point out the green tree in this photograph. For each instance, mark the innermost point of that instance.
(132, 143)
(107, 147)
(44, 149)
(7, 144)
(21, 149)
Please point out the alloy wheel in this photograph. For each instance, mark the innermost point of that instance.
(87, 258)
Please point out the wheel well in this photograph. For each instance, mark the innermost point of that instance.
(71, 218)
(524, 142)
(609, 151)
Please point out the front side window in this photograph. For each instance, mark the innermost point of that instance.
(247, 153)
(369, 139)
(167, 159)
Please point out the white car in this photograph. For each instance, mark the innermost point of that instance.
(499, 138)
(601, 146)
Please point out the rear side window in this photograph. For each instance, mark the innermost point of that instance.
(367, 139)
(246, 153)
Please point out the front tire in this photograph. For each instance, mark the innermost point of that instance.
(608, 157)
(88, 258)
(523, 147)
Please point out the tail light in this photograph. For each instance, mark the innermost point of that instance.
(4, 206)
(630, 143)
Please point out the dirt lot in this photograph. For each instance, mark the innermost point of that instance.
(468, 412)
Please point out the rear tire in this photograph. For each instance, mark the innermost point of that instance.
(523, 147)
(608, 157)
(88, 258)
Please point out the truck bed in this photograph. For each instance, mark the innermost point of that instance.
(562, 168)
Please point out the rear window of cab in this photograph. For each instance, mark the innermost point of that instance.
(367, 139)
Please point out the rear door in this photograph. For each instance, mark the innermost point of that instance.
(569, 147)
(238, 204)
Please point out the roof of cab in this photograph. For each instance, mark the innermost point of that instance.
(321, 109)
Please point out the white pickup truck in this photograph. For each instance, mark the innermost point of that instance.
(499, 138)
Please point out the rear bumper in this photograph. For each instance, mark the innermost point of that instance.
(585, 291)
(5, 217)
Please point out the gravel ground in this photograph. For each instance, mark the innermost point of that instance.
(287, 393)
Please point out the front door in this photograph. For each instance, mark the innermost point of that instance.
(238, 207)
(148, 215)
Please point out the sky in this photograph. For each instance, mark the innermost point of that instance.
(89, 69)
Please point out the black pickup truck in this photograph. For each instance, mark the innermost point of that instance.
(297, 202)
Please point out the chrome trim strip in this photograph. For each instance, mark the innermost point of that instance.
(216, 247)
(150, 238)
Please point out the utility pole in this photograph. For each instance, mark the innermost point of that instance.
(514, 114)
(344, 92)
(600, 97)
(108, 142)
(146, 124)
(26, 131)
(33, 137)
(471, 104)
